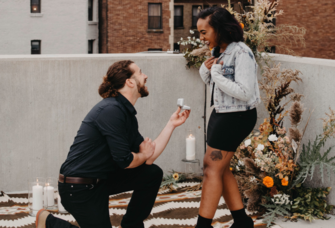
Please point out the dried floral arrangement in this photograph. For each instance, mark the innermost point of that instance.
(269, 165)
(260, 33)
(170, 181)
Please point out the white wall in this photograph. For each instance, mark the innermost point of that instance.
(62, 26)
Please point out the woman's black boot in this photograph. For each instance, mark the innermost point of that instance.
(241, 219)
(204, 222)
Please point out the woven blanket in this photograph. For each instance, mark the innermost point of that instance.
(171, 210)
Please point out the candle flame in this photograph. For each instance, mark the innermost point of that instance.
(190, 136)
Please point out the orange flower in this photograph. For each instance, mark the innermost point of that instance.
(242, 25)
(284, 182)
(268, 181)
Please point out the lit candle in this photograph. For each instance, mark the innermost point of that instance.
(60, 205)
(37, 197)
(190, 147)
(49, 195)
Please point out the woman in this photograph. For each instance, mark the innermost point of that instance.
(231, 74)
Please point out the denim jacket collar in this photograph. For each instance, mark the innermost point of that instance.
(228, 50)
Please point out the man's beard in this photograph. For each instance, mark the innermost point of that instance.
(141, 89)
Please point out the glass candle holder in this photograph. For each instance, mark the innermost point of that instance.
(190, 145)
(191, 166)
(50, 194)
(35, 195)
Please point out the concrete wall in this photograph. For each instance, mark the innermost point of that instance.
(45, 98)
(62, 26)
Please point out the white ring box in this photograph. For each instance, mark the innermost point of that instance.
(180, 103)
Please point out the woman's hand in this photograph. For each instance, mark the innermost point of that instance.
(215, 61)
(209, 62)
(178, 118)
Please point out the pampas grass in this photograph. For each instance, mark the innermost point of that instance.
(295, 134)
(295, 113)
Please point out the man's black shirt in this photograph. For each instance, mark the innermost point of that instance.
(105, 140)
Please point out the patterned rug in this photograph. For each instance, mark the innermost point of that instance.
(171, 210)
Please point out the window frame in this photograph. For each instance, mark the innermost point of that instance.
(39, 45)
(39, 6)
(193, 6)
(161, 16)
(182, 17)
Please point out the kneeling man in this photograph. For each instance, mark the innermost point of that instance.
(109, 156)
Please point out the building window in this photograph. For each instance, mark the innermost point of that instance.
(35, 47)
(90, 10)
(155, 16)
(154, 49)
(176, 46)
(35, 6)
(195, 11)
(178, 16)
(90, 46)
(271, 49)
(206, 6)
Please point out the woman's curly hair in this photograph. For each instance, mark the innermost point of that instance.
(227, 28)
(115, 78)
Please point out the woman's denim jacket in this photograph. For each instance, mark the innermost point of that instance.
(236, 86)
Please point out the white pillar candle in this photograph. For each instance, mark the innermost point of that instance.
(37, 197)
(49, 196)
(60, 205)
(190, 147)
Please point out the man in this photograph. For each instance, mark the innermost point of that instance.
(110, 156)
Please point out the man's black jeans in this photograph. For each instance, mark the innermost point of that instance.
(89, 203)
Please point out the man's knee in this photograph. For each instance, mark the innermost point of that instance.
(155, 172)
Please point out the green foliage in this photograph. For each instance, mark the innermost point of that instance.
(168, 180)
(311, 203)
(274, 210)
(310, 157)
(192, 60)
(172, 179)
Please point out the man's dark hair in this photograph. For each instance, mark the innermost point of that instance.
(227, 28)
(115, 78)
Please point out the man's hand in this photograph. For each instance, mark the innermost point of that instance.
(178, 118)
(209, 62)
(147, 147)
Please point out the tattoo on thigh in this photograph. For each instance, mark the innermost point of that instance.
(216, 155)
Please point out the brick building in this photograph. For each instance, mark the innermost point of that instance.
(185, 13)
(318, 19)
(128, 26)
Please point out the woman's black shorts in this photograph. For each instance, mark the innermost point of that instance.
(226, 131)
